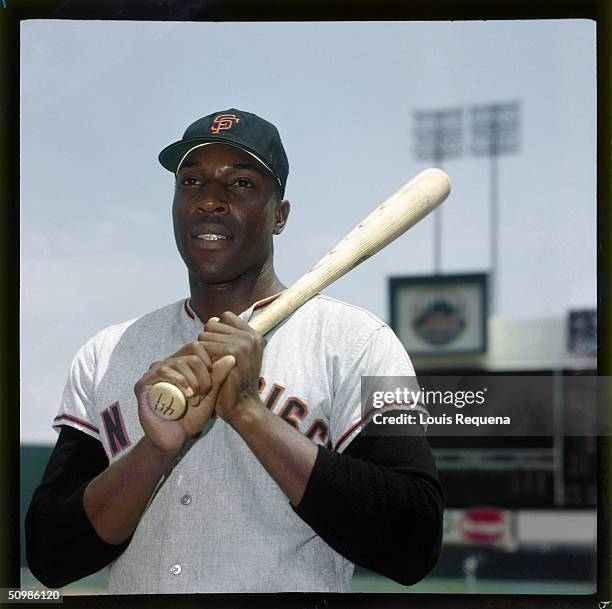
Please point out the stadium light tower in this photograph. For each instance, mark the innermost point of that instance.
(438, 137)
(495, 131)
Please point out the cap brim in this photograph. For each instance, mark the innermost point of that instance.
(173, 155)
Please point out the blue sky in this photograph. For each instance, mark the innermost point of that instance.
(101, 99)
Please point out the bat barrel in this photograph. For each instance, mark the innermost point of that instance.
(387, 222)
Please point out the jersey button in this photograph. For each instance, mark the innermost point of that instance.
(175, 569)
(186, 499)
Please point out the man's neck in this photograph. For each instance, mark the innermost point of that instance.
(210, 300)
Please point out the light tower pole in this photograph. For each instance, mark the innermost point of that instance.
(495, 131)
(438, 136)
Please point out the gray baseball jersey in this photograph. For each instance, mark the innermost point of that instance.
(217, 521)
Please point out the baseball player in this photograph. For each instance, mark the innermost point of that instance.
(268, 483)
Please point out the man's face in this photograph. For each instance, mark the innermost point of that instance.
(225, 211)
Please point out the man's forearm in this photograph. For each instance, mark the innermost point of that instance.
(115, 499)
(287, 455)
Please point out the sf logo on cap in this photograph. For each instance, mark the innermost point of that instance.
(224, 121)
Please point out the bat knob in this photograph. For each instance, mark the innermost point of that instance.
(167, 401)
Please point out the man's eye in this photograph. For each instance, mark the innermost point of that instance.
(189, 181)
(243, 183)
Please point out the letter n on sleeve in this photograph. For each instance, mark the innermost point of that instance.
(114, 426)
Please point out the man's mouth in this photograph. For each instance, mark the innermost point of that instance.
(211, 237)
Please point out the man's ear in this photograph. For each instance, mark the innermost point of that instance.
(281, 215)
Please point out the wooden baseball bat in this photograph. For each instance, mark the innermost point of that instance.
(389, 220)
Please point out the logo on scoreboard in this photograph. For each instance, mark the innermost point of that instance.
(439, 318)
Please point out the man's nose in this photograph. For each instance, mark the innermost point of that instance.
(213, 200)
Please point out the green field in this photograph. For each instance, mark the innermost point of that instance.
(96, 584)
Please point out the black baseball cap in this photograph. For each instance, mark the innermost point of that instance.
(238, 128)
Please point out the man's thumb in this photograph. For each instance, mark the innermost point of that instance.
(221, 368)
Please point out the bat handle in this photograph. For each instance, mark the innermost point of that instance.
(168, 402)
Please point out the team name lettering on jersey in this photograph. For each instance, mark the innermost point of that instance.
(319, 429)
(114, 426)
(294, 411)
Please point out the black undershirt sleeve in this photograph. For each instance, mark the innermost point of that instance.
(61, 544)
(379, 504)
